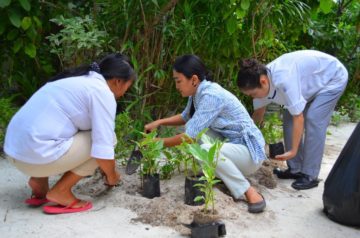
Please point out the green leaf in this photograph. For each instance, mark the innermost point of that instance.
(326, 5)
(37, 21)
(240, 13)
(17, 45)
(26, 23)
(199, 198)
(30, 50)
(231, 25)
(4, 3)
(25, 4)
(15, 18)
(245, 4)
(12, 34)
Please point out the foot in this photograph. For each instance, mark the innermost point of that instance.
(64, 198)
(256, 202)
(252, 196)
(257, 207)
(286, 174)
(305, 182)
(39, 186)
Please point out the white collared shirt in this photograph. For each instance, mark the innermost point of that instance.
(297, 77)
(43, 129)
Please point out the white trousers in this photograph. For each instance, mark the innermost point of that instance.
(77, 160)
(234, 164)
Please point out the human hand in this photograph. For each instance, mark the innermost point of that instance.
(151, 126)
(113, 179)
(286, 156)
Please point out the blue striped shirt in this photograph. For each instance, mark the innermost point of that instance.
(219, 110)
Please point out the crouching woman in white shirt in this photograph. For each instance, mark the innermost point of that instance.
(67, 127)
(308, 84)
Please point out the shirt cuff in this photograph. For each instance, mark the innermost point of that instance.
(297, 109)
(184, 116)
(102, 152)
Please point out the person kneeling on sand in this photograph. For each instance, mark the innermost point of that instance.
(211, 106)
(67, 127)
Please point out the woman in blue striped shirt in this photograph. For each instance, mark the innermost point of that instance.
(211, 106)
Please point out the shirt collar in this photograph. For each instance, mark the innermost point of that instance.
(202, 86)
(272, 89)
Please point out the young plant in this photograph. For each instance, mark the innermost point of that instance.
(188, 157)
(151, 150)
(124, 133)
(271, 129)
(208, 159)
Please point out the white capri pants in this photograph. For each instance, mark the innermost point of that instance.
(77, 160)
(234, 164)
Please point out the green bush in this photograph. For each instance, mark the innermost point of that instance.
(7, 111)
(271, 128)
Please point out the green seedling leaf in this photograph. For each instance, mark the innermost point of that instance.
(199, 199)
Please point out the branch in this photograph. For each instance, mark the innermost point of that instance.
(168, 7)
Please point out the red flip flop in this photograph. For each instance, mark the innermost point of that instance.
(36, 202)
(60, 209)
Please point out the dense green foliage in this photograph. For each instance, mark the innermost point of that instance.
(40, 38)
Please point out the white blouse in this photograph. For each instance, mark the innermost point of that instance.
(43, 129)
(298, 77)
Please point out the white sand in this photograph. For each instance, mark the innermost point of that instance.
(123, 212)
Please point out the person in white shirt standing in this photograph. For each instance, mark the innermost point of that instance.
(308, 83)
(67, 127)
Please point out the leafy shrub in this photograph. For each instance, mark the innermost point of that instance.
(271, 128)
(124, 133)
(7, 110)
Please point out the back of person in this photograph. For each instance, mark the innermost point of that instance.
(314, 71)
(68, 109)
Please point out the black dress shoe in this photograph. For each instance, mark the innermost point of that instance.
(305, 182)
(286, 174)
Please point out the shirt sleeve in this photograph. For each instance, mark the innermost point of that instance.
(186, 113)
(102, 113)
(291, 89)
(207, 111)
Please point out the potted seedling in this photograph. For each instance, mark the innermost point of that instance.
(192, 175)
(149, 164)
(273, 134)
(206, 223)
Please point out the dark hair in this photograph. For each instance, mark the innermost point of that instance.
(114, 65)
(249, 74)
(190, 65)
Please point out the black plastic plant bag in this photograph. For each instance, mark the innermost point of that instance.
(342, 187)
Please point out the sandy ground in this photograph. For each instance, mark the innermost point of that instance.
(123, 212)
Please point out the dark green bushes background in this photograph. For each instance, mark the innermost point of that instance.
(40, 38)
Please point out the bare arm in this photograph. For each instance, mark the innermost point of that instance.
(175, 140)
(109, 168)
(258, 115)
(298, 129)
(169, 121)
